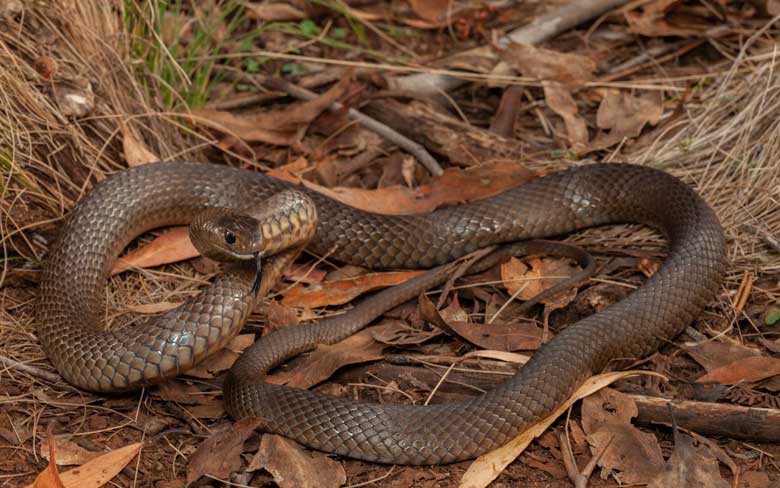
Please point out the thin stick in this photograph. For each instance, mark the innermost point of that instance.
(31, 370)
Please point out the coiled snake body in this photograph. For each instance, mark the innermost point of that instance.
(71, 306)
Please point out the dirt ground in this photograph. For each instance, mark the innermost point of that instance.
(90, 88)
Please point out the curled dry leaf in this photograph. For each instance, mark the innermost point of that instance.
(633, 456)
(279, 127)
(527, 281)
(94, 473)
(650, 19)
(397, 333)
(497, 336)
(748, 369)
(338, 292)
(220, 454)
(292, 467)
(136, 152)
(49, 477)
(487, 467)
(327, 359)
(624, 115)
(689, 465)
(559, 72)
(561, 101)
(430, 10)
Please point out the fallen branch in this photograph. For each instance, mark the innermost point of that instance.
(540, 30)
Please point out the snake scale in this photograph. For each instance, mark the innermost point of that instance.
(71, 305)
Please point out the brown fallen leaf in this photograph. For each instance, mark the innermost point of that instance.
(689, 465)
(278, 127)
(748, 369)
(624, 116)
(326, 359)
(571, 69)
(220, 454)
(430, 10)
(214, 410)
(397, 333)
(561, 101)
(633, 456)
(180, 392)
(455, 186)
(487, 467)
(223, 359)
(94, 473)
(526, 281)
(68, 452)
(135, 151)
(651, 20)
(49, 477)
(754, 479)
(500, 336)
(170, 247)
(273, 12)
(338, 292)
(712, 354)
(292, 467)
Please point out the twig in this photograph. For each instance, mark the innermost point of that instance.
(540, 30)
(32, 370)
(580, 478)
(413, 148)
(768, 238)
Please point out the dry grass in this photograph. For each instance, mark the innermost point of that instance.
(726, 142)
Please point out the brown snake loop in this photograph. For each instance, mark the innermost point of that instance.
(137, 200)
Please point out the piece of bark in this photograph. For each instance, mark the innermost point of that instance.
(461, 143)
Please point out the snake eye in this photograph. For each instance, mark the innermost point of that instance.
(230, 238)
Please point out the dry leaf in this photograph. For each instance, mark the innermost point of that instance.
(689, 465)
(430, 10)
(49, 477)
(223, 359)
(220, 454)
(179, 392)
(273, 12)
(292, 467)
(499, 336)
(213, 410)
(75, 99)
(68, 453)
(624, 115)
(635, 455)
(487, 467)
(94, 473)
(569, 69)
(326, 359)
(281, 127)
(754, 479)
(170, 247)
(455, 186)
(748, 369)
(136, 152)
(560, 101)
(713, 354)
(526, 282)
(651, 20)
(338, 292)
(397, 333)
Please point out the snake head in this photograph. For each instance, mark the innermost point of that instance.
(224, 234)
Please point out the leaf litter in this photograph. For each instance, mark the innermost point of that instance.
(567, 112)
